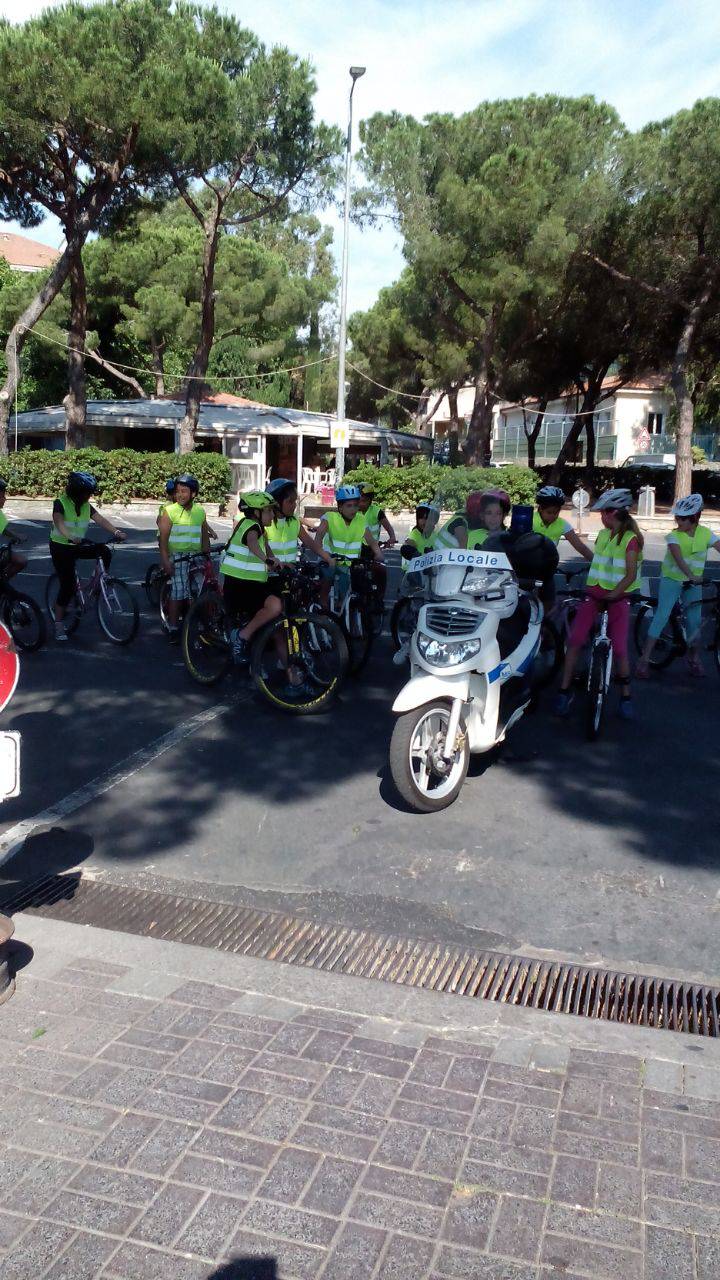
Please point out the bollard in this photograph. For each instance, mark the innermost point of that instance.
(7, 975)
(646, 501)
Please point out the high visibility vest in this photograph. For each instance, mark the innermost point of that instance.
(554, 531)
(372, 519)
(77, 525)
(693, 549)
(344, 540)
(609, 564)
(421, 544)
(3, 522)
(476, 537)
(186, 532)
(282, 536)
(238, 560)
(446, 539)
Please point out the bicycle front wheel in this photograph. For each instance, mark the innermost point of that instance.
(404, 619)
(25, 621)
(597, 687)
(359, 635)
(665, 646)
(298, 663)
(154, 579)
(205, 647)
(117, 610)
(73, 611)
(549, 657)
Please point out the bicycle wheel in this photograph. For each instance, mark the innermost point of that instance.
(117, 610)
(205, 647)
(298, 663)
(666, 647)
(73, 610)
(358, 635)
(597, 686)
(154, 579)
(25, 621)
(404, 619)
(549, 657)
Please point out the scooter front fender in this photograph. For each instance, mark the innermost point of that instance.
(427, 688)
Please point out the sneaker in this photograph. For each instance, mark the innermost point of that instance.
(61, 633)
(626, 709)
(401, 657)
(563, 702)
(240, 650)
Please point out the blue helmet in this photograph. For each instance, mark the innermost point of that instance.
(280, 488)
(189, 481)
(80, 484)
(347, 493)
(170, 486)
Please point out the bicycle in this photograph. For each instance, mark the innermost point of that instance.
(351, 604)
(115, 605)
(555, 629)
(598, 676)
(672, 642)
(20, 613)
(202, 576)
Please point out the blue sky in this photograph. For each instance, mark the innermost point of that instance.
(647, 57)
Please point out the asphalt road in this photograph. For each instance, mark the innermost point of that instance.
(605, 851)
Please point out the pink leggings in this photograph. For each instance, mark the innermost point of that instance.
(618, 621)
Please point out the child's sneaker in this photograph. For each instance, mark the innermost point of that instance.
(60, 632)
(563, 702)
(626, 709)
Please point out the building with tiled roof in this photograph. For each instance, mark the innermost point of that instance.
(24, 254)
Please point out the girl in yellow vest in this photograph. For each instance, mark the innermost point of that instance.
(548, 521)
(374, 515)
(485, 512)
(245, 570)
(342, 533)
(286, 532)
(422, 537)
(183, 530)
(614, 575)
(687, 549)
(71, 517)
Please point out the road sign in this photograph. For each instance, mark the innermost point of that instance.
(9, 667)
(339, 434)
(9, 765)
(580, 499)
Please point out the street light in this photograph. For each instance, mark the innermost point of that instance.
(355, 74)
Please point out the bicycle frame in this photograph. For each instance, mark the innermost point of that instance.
(601, 638)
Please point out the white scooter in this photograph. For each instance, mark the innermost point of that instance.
(471, 660)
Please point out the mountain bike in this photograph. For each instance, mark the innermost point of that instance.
(555, 629)
(115, 605)
(21, 615)
(672, 642)
(351, 604)
(598, 675)
(202, 576)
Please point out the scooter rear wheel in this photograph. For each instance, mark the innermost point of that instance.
(416, 762)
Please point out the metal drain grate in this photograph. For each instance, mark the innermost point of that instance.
(603, 994)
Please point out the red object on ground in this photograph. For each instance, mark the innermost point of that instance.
(9, 667)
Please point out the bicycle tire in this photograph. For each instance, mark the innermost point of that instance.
(358, 636)
(153, 584)
(25, 621)
(666, 646)
(597, 693)
(403, 619)
(73, 611)
(319, 654)
(117, 611)
(205, 649)
(196, 579)
(549, 658)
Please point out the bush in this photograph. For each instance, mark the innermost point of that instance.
(401, 488)
(698, 454)
(121, 474)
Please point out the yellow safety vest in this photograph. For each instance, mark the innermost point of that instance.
(238, 560)
(609, 564)
(372, 519)
(344, 540)
(282, 536)
(76, 524)
(554, 531)
(694, 551)
(186, 532)
(476, 537)
(446, 539)
(420, 542)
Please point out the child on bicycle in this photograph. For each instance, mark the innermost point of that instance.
(548, 521)
(245, 569)
(286, 532)
(183, 531)
(72, 514)
(485, 513)
(376, 520)
(682, 573)
(614, 575)
(422, 536)
(342, 533)
(16, 560)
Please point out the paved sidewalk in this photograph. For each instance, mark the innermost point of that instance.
(176, 1113)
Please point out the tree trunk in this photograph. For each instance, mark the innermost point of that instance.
(454, 428)
(681, 392)
(75, 401)
(590, 437)
(590, 400)
(534, 432)
(157, 350)
(478, 448)
(198, 366)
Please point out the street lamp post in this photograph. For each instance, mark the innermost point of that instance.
(355, 74)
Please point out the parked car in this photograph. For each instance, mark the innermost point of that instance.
(659, 461)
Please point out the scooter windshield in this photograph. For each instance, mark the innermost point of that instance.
(448, 568)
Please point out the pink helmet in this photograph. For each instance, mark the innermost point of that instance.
(499, 495)
(474, 504)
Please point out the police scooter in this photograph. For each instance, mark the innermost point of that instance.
(471, 660)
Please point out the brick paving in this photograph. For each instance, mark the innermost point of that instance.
(216, 1133)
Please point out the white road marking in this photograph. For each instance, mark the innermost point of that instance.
(12, 840)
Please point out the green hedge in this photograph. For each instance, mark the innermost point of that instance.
(121, 474)
(401, 488)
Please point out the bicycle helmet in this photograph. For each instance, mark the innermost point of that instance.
(499, 495)
(256, 500)
(427, 506)
(281, 488)
(550, 495)
(688, 508)
(366, 488)
(170, 486)
(614, 500)
(347, 493)
(80, 484)
(190, 482)
(474, 504)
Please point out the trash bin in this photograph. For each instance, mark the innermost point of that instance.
(646, 501)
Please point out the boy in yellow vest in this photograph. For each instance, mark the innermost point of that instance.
(245, 570)
(342, 533)
(72, 514)
(183, 531)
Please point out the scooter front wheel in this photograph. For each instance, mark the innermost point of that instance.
(425, 780)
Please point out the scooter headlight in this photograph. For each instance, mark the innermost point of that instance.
(447, 653)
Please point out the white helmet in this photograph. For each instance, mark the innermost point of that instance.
(614, 500)
(550, 494)
(688, 507)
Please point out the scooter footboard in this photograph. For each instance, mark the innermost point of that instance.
(428, 688)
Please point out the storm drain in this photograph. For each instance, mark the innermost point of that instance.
(603, 994)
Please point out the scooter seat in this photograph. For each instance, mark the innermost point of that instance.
(511, 630)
